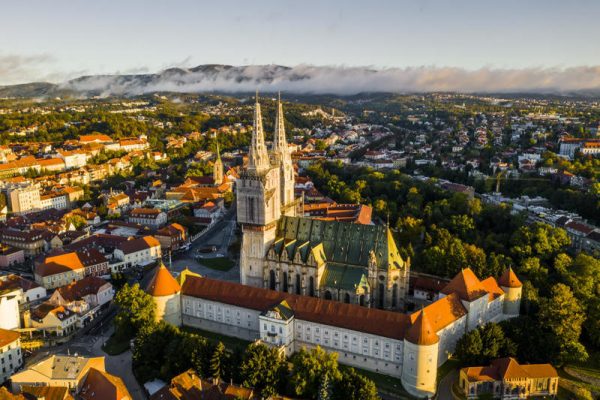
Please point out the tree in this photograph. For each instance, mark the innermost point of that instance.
(592, 322)
(354, 386)
(308, 369)
(262, 369)
(218, 362)
(563, 316)
(136, 310)
(324, 389)
(484, 344)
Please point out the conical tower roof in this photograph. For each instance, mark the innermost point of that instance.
(162, 283)
(466, 285)
(421, 332)
(509, 279)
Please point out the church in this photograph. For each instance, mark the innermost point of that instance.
(287, 252)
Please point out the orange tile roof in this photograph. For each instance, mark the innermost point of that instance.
(509, 279)
(466, 285)
(421, 331)
(46, 392)
(52, 268)
(163, 283)
(491, 286)
(67, 259)
(351, 316)
(7, 337)
(102, 385)
(444, 311)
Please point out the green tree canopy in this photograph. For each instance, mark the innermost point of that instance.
(136, 310)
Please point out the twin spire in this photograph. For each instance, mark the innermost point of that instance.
(258, 158)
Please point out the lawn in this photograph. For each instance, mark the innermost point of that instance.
(115, 346)
(390, 386)
(228, 341)
(219, 263)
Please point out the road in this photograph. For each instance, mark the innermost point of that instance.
(220, 235)
(445, 386)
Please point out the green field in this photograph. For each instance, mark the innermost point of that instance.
(388, 385)
(220, 264)
(228, 341)
(115, 346)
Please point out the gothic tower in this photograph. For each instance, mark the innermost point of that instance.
(258, 205)
(218, 167)
(283, 158)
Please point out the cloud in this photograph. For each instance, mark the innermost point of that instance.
(346, 80)
(20, 69)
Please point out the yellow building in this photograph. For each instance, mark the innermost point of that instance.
(505, 378)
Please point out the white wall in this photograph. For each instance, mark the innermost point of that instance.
(9, 311)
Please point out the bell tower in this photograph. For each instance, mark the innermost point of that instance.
(258, 205)
(218, 167)
(283, 158)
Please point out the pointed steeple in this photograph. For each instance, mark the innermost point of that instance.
(218, 167)
(279, 141)
(258, 158)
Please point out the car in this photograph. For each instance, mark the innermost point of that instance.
(207, 249)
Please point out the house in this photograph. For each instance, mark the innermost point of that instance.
(93, 290)
(10, 256)
(11, 357)
(141, 251)
(27, 291)
(32, 242)
(9, 308)
(51, 319)
(57, 370)
(54, 274)
(505, 378)
(188, 385)
(151, 217)
(172, 237)
(73, 159)
(99, 384)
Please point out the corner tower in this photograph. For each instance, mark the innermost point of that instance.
(258, 205)
(283, 158)
(165, 291)
(419, 367)
(512, 287)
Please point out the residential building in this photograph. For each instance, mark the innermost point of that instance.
(53, 274)
(141, 251)
(93, 290)
(10, 256)
(151, 217)
(9, 308)
(99, 384)
(11, 358)
(24, 199)
(27, 291)
(505, 378)
(57, 370)
(51, 319)
(32, 242)
(188, 385)
(172, 237)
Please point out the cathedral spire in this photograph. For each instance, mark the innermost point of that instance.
(258, 159)
(279, 141)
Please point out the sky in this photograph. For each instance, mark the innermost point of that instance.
(43, 40)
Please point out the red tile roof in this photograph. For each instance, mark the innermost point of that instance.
(421, 331)
(509, 279)
(466, 285)
(162, 283)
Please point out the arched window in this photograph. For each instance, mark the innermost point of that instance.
(381, 295)
(285, 282)
(298, 288)
(272, 280)
(327, 295)
(395, 295)
(311, 286)
(347, 298)
(361, 300)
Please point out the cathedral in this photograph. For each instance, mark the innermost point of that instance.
(285, 251)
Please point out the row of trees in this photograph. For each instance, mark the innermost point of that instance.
(164, 351)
